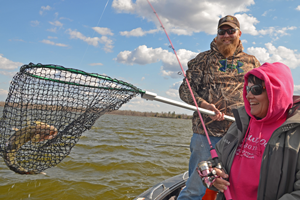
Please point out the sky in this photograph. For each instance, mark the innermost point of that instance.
(123, 39)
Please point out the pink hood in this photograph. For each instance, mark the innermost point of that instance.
(280, 87)
(248, 157)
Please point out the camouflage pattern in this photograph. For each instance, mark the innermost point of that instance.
(219, 81)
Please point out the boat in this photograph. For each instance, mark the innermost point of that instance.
(168, 189)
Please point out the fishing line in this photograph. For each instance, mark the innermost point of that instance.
(191, 91)
(94, 30)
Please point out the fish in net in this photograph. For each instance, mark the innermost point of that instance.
(47, 109)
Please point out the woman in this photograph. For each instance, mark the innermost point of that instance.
(260, 151)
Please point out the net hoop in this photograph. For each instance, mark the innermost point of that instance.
(47, 109)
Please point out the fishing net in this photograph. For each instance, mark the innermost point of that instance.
(47, 109)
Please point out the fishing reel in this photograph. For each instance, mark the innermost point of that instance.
(207, 173)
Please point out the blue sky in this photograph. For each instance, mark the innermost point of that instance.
(123, 38)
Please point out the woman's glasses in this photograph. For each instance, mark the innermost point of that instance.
(255, 89)
(229, 31)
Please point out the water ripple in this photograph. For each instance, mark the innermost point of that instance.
(117, 159)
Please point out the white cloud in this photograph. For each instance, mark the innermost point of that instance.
(56, 23)
(247, 26)
(108, 43)
(171, 66)
(51, 37)
(282, 31)
(272, 54)
(180, 31)
(298, 7)
(266, 12)
(34, 23)
(173, 93)
(141, 105)
(176, 85)
(144, 55)
(64, 18)
(275, 33)
(5, 73)
(141, 55)
(17, 40)
(103, 31)
(44, 8)
(53, 43)
(247, 23)
(96, 64)
(3, 92)
(53, 30)
(138, 32)
(194, 16)
(297, 89)
(8, 64)
(123, 5)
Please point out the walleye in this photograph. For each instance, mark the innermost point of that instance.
(34, 133)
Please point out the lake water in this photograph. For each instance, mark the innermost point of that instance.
(119, 158)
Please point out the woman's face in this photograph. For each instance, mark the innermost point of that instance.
(259, 104)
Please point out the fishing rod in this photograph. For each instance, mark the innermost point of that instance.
(213, 152)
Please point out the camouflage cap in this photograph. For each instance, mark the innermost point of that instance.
(229, 20)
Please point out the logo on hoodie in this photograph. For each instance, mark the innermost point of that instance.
(233, 67)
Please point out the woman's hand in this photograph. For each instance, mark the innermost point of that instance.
(220, 183)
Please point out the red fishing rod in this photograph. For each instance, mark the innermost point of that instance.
(207, 168)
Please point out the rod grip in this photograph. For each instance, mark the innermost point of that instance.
(227, 194)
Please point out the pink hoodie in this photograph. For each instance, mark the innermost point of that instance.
(245, 170)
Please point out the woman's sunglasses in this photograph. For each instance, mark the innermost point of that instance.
(229, 31)
(255, 89)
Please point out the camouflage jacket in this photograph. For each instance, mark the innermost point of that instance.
(219, 81)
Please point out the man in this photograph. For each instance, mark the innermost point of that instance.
(216, 77)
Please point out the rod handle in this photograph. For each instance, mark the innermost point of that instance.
(227, 194)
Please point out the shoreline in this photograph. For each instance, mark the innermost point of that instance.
(142, 114)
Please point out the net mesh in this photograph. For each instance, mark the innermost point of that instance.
(47, 109)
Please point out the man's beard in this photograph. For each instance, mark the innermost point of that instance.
(227, 50)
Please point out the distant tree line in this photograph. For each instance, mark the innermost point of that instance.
(144, 114)
(151, 114)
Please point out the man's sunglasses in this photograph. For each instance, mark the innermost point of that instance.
(255, 89)
(229, 31)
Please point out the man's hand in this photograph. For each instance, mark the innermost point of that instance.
(218, 117)
(220, 183)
